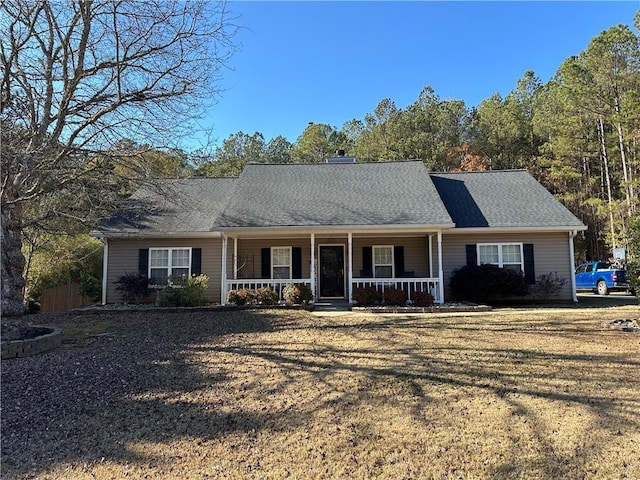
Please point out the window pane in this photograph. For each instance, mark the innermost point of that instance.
(488, 254)
(511, 254)
(281, 257)
(158, 276)
(281, 272)
(178, 272)
(180, 258)
(383, 255)
(383, 272)
(159, 258)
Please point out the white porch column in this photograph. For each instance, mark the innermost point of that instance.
(313, 265)
(235, 258)
(105, 263)
(440, 272)
(223, 276)
(572, 267)
(350, 267)
(430, 256)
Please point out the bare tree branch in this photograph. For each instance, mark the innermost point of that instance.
(77, 79)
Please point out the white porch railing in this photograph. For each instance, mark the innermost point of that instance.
(409, 285)
(277, 285)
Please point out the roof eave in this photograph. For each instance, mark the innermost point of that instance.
(523, 229)
(155, 234)
(316, 229)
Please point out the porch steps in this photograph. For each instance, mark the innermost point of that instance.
(332, 306)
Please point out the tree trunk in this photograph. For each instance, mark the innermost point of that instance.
(12, 261)
(628, 188)
(605, 161)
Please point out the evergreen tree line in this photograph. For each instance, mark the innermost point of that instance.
(578, 134)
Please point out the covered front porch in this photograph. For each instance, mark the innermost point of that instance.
(334, 264)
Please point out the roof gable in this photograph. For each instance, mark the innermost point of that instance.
(501, 199)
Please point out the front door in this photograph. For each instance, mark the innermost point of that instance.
(331, 271)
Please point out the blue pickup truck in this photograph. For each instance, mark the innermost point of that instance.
(601, 278)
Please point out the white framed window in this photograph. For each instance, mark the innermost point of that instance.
(168, 262)
(281, 262)
(383, 261)
(504, 255)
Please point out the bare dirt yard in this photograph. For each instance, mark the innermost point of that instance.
(542, 393)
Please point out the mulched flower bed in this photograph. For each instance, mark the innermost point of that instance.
(125, 307)
(10, 332)
(445, 308)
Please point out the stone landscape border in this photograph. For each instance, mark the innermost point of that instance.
(125, 308)
(115, 308)
(433, 309)
(31, 346)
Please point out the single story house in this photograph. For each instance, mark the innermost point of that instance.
(339, 226)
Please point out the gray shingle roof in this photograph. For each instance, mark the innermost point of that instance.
(172, 206)
(359, 194)
(501, 199)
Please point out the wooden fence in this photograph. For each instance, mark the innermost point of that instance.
(63, 298)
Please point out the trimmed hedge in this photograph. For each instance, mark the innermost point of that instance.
(366, 296)
(486, 282)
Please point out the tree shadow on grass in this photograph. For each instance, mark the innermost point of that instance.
(88, 403)
(163, 377)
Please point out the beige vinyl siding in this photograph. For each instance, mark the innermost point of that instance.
(416, 253)
(123, 258)
(550, 253)
(250, 253)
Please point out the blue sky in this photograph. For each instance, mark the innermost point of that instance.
(330, 62)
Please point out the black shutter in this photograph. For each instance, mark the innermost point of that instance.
(367, 262)
(143, 261)
(296, 262)
(529, 268)
(398, 260)
(472, 256)
(266, 263)
(196, 261)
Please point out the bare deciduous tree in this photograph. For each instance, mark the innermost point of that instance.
(77, 77)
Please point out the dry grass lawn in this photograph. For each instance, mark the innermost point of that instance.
(512, 394)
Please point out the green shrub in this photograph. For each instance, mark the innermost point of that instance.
(547, 285)
(633, 263)
(487, 282)
(395, 296)
(422, 299)
(90, 286)
(633, 276)
(366, 296)
(297, 294)
(265, 296)
(186, 291)
(133, 287)
(33, 306)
